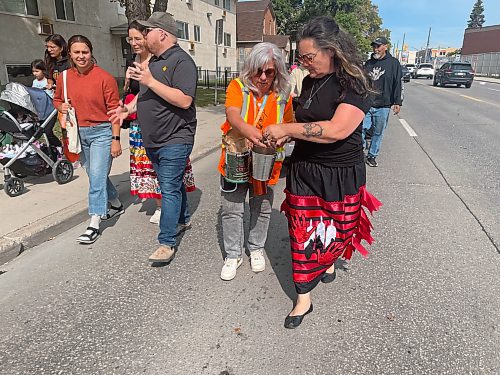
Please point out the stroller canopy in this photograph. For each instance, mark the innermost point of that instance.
(34, 100)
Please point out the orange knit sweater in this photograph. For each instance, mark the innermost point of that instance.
(92, 94)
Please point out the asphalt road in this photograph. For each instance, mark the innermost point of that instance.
(426, 301)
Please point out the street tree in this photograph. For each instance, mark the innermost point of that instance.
(476, 16)
(360, 18)
(141, 9)
(287, 13)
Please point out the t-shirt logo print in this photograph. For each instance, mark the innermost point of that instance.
(376, 73)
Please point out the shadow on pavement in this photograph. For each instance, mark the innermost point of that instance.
(277, 248)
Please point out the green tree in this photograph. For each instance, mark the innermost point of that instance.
(287, 13)
(476, 16)
(360, 18)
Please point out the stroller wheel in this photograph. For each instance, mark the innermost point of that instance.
(62, 171)
(14, 186)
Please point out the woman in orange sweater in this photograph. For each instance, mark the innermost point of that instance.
(93, 92)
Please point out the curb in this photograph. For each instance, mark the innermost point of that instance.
(15, 243)
(486, 79)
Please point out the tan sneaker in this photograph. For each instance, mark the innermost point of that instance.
(163, 254)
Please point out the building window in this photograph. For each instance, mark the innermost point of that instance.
(64, 10)
(227, 40)
(217, 2)
(20, 73)
(226, 4)
(28, 7)
(197, 33)
(182, 30)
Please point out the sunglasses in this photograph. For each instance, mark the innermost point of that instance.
(268, 72)
(307, 58)
(149, 29)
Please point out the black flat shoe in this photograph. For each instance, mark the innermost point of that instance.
(292, 322)
(329, 277)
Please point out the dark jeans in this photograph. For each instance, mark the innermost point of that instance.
(169, 163)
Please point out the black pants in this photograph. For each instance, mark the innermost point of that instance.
(49, 132)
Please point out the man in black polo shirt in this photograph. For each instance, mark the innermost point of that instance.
(167, 115)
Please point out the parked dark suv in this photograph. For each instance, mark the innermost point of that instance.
(406, 74)
(457, 73)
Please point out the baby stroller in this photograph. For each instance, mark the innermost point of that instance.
(27, 112)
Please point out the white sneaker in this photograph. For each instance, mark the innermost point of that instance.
(229, 269)
(155, 219)
(257, 260)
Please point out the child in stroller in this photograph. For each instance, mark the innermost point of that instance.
(28, 111)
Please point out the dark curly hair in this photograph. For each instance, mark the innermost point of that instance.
(327, 35)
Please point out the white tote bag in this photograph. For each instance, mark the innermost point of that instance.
(74, 145)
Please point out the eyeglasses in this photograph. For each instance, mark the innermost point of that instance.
(307, 58)
(268, 72)
(130, 40)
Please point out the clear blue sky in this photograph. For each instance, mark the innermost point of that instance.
(448, 20)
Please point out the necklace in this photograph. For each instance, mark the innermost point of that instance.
(308, 102)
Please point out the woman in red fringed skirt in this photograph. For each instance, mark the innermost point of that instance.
(325, 189)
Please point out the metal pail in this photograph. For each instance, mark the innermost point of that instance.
(263, 162)
(237, 167)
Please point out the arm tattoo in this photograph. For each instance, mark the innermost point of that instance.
(312, 129)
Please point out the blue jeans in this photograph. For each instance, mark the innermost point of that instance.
(169, 163)
(376, 118)
(96, 159)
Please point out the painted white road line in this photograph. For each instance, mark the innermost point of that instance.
(493, 89)
(407, 127)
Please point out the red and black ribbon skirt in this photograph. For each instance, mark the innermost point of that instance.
(322, 231)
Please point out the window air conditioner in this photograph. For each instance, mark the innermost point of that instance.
(191, 46)
(45, 28)
(224, 13)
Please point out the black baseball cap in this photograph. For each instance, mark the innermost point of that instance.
(162, 20)
(379, 41)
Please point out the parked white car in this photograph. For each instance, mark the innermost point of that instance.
(424, 70)
(411, 68)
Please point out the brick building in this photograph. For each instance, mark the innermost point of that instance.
(481, 47)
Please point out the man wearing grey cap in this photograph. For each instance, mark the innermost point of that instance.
(386, 72)
(166, 111)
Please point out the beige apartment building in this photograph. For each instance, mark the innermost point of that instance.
(24, 25)
(196, 21)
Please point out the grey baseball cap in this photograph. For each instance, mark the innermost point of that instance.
(162, 20)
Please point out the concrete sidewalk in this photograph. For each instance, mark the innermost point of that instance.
(487, 79)
(47, 208)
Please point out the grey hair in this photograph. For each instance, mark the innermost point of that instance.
(260, 55)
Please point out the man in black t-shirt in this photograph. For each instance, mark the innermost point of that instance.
(166, 111)
(386, 73)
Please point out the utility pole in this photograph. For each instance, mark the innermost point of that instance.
(402, 46)
(427, 46)
(219, 31)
